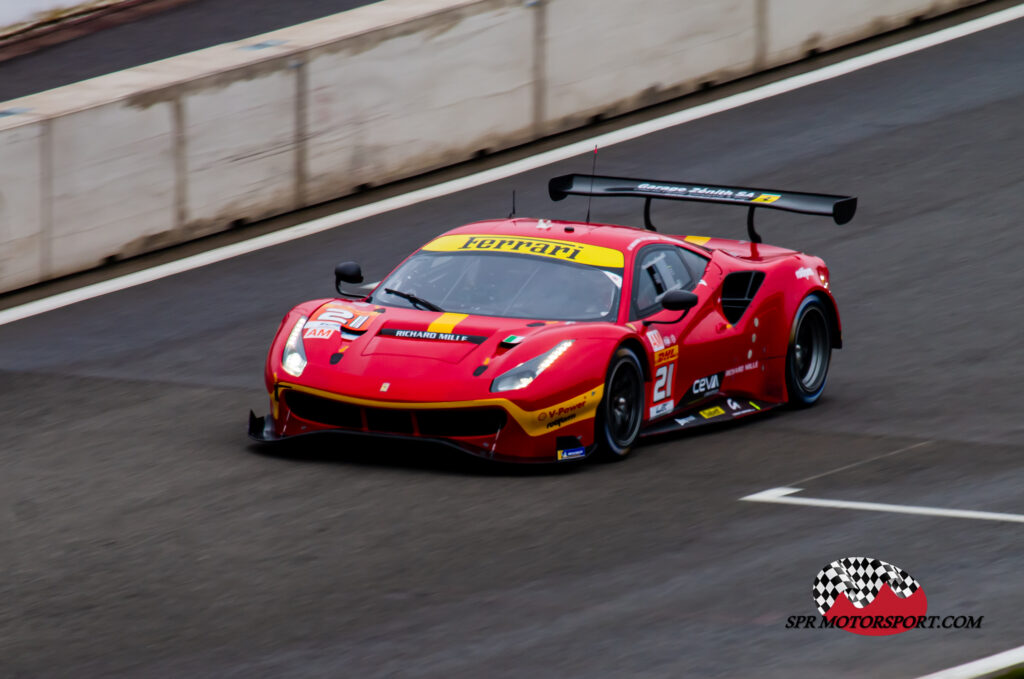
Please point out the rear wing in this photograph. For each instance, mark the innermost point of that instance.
(840, 208)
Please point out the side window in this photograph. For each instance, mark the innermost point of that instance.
(659, 269)
(694, 262)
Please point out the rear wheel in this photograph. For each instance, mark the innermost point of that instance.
(810, 351)
(620, 412)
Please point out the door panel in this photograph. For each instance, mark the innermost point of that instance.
(691, 354)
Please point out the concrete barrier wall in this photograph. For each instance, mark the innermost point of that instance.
(239, 147)
(794, 28)
(166, 152)
(22, 11)
(612, 57)
(415, 96)
(17, 15)
(111, 193)
(21, 180)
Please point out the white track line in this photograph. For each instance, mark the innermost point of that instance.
(978, 668)
(531, 163)
(861, 462)
(781, 496)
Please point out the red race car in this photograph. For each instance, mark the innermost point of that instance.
(539, 341)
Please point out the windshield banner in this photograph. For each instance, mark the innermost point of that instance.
(581, 253)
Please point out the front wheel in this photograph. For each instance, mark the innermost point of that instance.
(809, 354)
(620, 413)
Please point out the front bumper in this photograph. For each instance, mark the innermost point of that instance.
(493, 429)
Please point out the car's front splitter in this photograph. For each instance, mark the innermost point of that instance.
(262, 429)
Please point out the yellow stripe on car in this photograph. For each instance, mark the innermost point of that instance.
(446, 322)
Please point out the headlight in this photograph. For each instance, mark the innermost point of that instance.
(293, 359)
(523, 374)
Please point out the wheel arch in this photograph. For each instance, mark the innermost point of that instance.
(634, 345)
(835, 329)
(609, 445)
(798, 394)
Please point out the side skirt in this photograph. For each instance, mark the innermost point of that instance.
(712, 411)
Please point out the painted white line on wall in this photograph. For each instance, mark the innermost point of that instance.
(781, 496)
(523, 165)
(978, 668)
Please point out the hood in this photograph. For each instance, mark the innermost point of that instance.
(360, 347)
(446, 337)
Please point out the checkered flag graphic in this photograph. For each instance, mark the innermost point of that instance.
(861, 578)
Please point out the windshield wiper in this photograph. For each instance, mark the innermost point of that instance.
(418, 301)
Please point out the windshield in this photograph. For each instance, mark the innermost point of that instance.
(506, 285)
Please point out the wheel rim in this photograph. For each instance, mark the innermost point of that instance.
(811, 350)
(622, 404)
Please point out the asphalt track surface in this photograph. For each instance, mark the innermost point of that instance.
(193, 26)
(145, 537)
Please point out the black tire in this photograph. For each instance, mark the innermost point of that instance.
(620, 413)
(809, 354)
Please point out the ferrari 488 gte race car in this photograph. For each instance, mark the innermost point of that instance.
(539, 341)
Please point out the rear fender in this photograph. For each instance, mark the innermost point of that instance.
(831, 311)
(790, 287)
(833, 318)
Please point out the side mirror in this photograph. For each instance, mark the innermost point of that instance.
(347, 272)
(679, 300)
